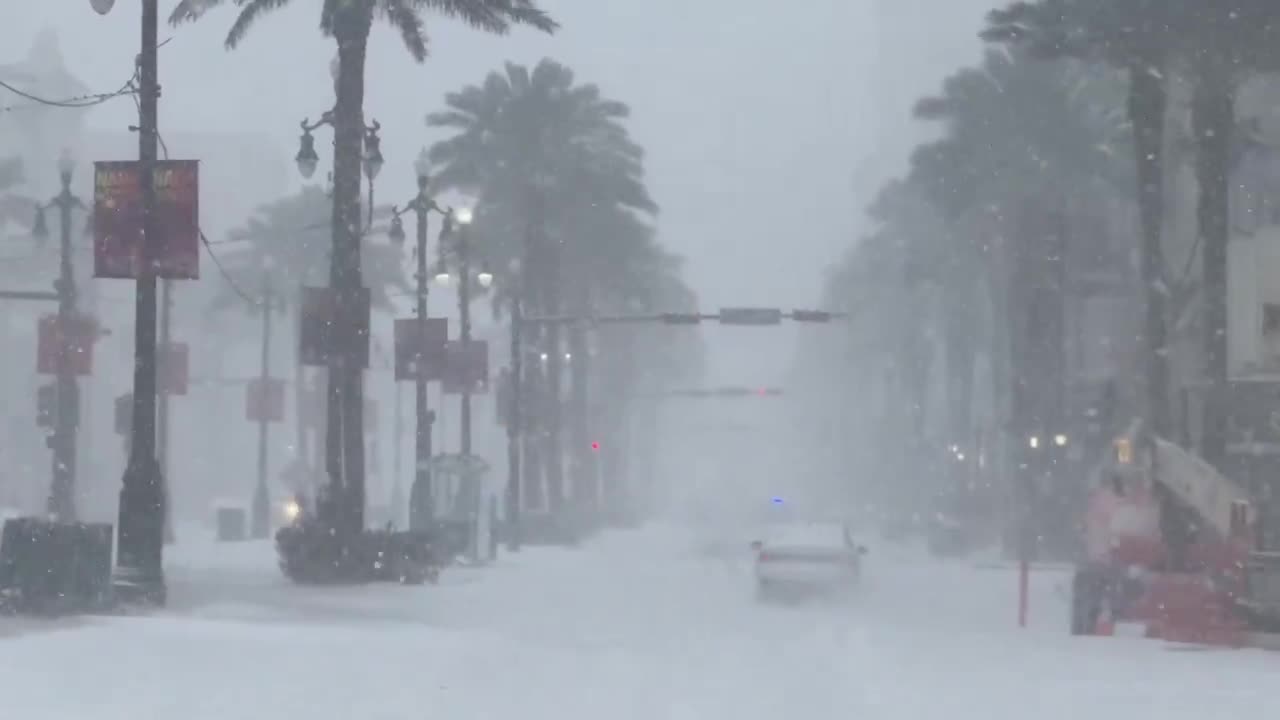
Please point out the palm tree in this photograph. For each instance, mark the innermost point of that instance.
(1139, 37)
(348, 23)
(1019, 132)
(555, 172)
(1228, 42)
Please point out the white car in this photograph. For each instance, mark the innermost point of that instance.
(796, 561)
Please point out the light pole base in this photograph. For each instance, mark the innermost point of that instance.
(139, 574)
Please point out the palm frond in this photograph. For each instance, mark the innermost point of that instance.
(251, 11)
(189, 10)
(494, 16)
(405, 18)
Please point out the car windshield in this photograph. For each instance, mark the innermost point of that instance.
(806, 534)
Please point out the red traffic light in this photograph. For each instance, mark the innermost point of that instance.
(595, 446)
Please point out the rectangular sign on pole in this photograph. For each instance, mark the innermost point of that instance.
(79, 335)
(46, 405)
(118, 219)
(467, 367)
(414, 354)
(318, 345)
(264, 400)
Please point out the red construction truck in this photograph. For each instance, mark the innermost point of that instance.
(1173, 552)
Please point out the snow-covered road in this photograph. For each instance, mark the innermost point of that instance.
(635, 625)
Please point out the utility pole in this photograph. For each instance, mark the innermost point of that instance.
(421, 494)
(62, 503)
(464, 315)
(261, 521)
(140, 543)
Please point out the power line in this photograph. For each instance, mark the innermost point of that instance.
(76, 102)
(226, 276)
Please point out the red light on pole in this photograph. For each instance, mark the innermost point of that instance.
(595, 446)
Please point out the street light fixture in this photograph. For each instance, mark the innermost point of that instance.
(307, 158)
(463, 215)
(102, 7)
(396, 232)
(372, 152)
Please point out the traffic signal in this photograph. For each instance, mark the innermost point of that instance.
(812, 316)
(750, 316)
(595, 446)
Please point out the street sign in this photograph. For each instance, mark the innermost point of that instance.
(124, 414)
(413, 354)
(319, 315)
(118, 219)
(813, 316)
(80, 333)
(46, 405)
(172, 368)
(264, 400)
(750, 316)
(467, 368)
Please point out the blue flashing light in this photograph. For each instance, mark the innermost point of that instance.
(777, 501)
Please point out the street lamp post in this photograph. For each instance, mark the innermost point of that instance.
(343, 508)
(461, 250)
(515, 417)
(420, 495)
(140, 540)
(67, 391)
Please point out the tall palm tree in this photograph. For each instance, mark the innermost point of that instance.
(1227, 42)
(1139, 37)
(348, 23)
(1019, 131)
(555, 171)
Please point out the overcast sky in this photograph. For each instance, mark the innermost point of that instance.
(767, 124)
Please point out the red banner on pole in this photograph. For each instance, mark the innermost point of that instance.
(264, 400)
(78, 337)
(118, 219)
(426, 354)
(316, 343)
(172, 371)
(466, 367)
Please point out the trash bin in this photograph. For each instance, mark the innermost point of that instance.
(232, 523)
(49, 567)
